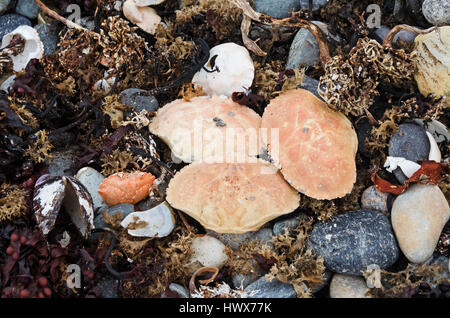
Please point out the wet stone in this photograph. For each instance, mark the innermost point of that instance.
(437, 12)
(410, 142)
(48, 36)
(373, 199)
(139, 103)
(27, 8)
(10, 22)
(351, 241)
(262, 288)
(316, 4)
(123, 209)
(304, 50)
(276, 8)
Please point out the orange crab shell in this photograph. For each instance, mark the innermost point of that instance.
(126, 187)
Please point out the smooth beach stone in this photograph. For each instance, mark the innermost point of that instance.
(304, 50)
(418, 216)
(242, 281)
(437, 12)
(287, 224)
(351, 241)
(139, 103)
(177, 288)
(347, 286)
(4, 5)
(27, 8)
(10, 22)
(123, 209)
(381, 32)
(262, 288)
(373, 199)
(60, 164)
(316, 4)
(235, 240)
(92, 179)
(311, 85)
(436, 129)
(410, 142)
(49, 37)
(276, 8)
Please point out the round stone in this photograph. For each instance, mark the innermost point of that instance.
(4, 5)
(92, 179)
(262, 288)
(235, 240)
(27, 8)
(373, 199)
(351, 241)
(418, 216)
(304, 50)
(123, 209)
(138, 102)
(410, 142)
(49, 37)
(10, 22)
(437, 12)
(277, 8)
(316, 4)
(347, 286)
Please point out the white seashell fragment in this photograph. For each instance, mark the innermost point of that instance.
(145, 18)
(208, 251)
(9, 82)
(34, 49)
(407, 166)
(435, 153)
(144, 3)
(230, 69)
(436, 129)
(156, 222)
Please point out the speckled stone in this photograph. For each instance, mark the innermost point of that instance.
(351, 241)
(262, 288)
(49, 37)
(418, 216)
(27, 8)
(139, 103)
(235, 240)
(373, 199)
(276, 9)
(347, 286)
(316, 4)
(437, 12)
(10, 22)
(123, 209)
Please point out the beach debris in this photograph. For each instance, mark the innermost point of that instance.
(32, 47)
(317, 145)
(126, 187)
(232, 198)
(144, 17)
(229, 69)
(207, 251)
(156, 222)
(197, 130)
(53, 192)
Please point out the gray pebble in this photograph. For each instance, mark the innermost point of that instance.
(87, 22)
(4, 5)
(437, 12)
(262, 288)
(177, 288)
(235, 240)
(61, 162)
(49, 37)
(310, 84)
(381, 32)
(139, 103)
(108, 287)
(287, 224)
(436, 128)
(123, 209)
(316, 4)
(27, 8)
(404, 36)
(242, 281)
(410, 142)
(351, 241)
(277, 9)
(304, 50)
(10, 22)
(92, 179)
(373, 199)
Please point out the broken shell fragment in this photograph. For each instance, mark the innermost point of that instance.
(433, 63)
(145, 18)
(144, 3)
(207, 251)
(53, 192)
(231, 198)
(34, 49)
(408, 167)
(435, 153)
(125, 187)
(316, 145)
(229, 69)
(156, 222)
(200, 129)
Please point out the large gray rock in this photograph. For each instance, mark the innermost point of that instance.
(27, 8)
(10, 22)
(437, 12)
(418, 216)
(262, 288)
(276, 8)
(49, 37)
(351, 241)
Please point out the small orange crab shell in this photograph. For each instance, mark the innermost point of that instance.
(126, 187)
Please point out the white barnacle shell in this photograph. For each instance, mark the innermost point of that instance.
(156, 222)
(435, 153)
(34, 49)
(145, 18)
(230, 69)
(408, 167)
(53, 192)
